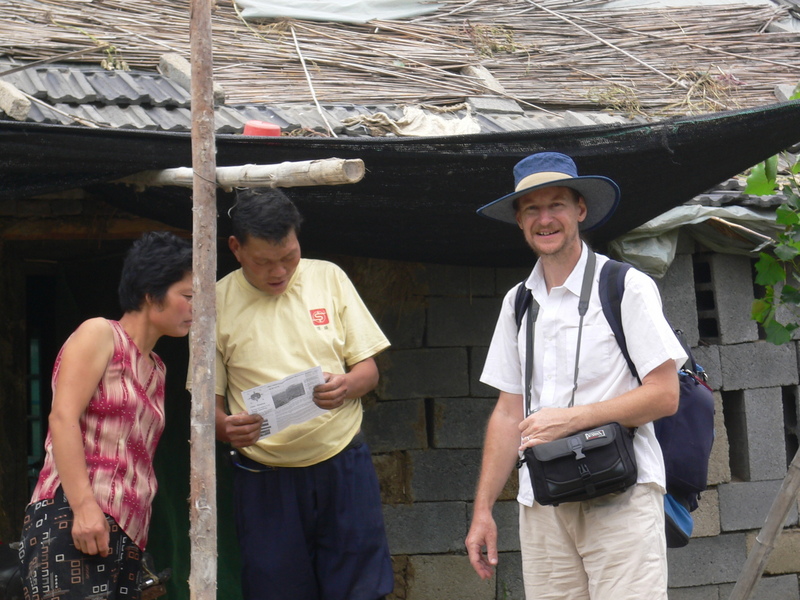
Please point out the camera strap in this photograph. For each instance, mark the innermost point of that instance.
(533, 313)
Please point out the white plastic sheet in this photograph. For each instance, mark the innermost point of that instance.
(416, 122)
(340, 11)
(651, 247)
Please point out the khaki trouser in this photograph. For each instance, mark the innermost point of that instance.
(608, 548)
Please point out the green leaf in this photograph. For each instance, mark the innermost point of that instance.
(760, 310)
(776, 333)
(758, 183)
(771, 168)
(784, 215)
(768, 270)
(786, 252)
(790, 295)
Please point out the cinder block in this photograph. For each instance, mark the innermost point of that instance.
(686, 243)
(423, 373)
(678, 298)
(426, 527)
(449, 280)
(178, 69)
(703, 592)
(438, 475)
(12, 102)
(707, 561)
(706, 517)
(443, 577)
(784, 315)
(461, 321)
(506, 517)
(769, 588)
(783, 91)
(493, 104)
(758, 365)
(8, 208)
(731, 277)
(403, 323)
(764, 418)
(719, 466)
(708, 358)
(484, 76)
(745, 505)
(477, 358)
(510, 585)
(508, 278)
(398, 425)
(33, 208)
(785, 556)
(460, 422)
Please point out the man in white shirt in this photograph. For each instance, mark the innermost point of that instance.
(612, 547)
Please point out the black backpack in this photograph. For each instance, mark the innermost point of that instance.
(687, 436)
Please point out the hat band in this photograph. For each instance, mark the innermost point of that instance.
(540, 178)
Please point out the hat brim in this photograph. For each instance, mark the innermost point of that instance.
(601, 195)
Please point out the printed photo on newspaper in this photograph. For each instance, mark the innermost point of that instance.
(285, 402)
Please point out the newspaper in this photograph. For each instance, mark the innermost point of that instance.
(285, 402)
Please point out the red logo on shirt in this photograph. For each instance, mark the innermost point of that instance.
(319, 316)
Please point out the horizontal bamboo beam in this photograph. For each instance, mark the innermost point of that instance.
(326, 171)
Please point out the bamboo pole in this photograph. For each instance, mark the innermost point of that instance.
(765, 541)
(325, 171)
(202, 496)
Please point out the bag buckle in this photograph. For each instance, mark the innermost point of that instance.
(576, 446)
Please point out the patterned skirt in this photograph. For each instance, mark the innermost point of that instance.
(52, 568)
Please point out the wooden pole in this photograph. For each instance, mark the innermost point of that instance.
(203, 488)
(765, 541)
(323, 171)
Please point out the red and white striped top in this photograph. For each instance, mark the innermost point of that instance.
(121, 428)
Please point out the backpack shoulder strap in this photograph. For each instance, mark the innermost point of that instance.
(522, 302)
(611, 288)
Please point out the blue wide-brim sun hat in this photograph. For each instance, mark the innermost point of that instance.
(550, 169)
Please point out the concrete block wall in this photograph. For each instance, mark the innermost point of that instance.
(425, 424)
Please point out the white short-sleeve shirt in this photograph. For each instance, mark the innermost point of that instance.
(603, 371)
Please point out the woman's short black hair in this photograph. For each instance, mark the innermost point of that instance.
(156, 261)
(266, 214)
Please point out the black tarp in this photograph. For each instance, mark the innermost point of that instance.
(418, 198)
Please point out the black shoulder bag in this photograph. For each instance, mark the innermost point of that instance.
(586, 464)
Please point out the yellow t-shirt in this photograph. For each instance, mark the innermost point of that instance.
(319, 320)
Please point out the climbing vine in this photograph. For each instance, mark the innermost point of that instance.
(778, 265)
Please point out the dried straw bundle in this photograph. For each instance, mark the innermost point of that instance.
(551, 53)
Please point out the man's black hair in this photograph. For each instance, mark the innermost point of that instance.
(156, 261)
(266, 214)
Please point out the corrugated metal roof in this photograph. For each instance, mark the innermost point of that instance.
(146, 100)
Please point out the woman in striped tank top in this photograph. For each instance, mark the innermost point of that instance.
(86, 524)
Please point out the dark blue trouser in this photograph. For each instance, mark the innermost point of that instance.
(312, 533)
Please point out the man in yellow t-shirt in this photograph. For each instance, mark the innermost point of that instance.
(308, 508)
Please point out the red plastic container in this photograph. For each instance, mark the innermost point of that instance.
(261, 128)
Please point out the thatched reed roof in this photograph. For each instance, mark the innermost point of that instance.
(551, 54)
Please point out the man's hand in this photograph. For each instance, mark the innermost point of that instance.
(546, 425)
(482, 533)
(90, 530)
(242, 430)
(332, 393)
